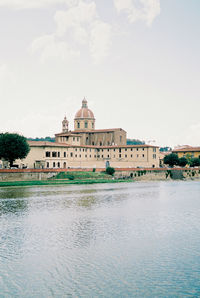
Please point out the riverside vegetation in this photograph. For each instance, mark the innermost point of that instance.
(71, 178)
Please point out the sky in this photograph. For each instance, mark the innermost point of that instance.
(137, 62)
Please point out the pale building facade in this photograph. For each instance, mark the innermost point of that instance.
(60, 155)
(87, 147)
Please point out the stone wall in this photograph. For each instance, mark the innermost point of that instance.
(150, 174)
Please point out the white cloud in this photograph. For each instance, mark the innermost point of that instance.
(30, 4)
(51, 48)
(100, 41)
(144, 10)
(77, 26)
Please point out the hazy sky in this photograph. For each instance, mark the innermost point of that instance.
(136, 61)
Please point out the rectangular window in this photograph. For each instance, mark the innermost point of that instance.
(64, 154)
(54, 154)
(71, 154)
(120, 155)
(126, 155)
(48, 154)
(58, 154)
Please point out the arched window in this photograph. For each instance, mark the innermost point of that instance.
(78, 124)
(86, 124)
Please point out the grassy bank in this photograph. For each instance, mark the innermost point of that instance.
(64, 178)
(59, 182)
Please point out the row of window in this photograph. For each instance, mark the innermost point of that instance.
(85, 124)
(57, 154)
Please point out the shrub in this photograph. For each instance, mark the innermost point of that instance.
(182, 161)
(70, 177)
(110, 171)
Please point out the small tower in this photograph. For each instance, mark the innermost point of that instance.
(65, 124)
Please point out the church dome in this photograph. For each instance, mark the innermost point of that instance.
(84, 112)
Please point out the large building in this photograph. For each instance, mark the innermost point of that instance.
(87, 147)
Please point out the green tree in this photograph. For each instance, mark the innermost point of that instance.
(182, 161)
(195, 162)
(171, 159)
(110, 171)
(13, 146)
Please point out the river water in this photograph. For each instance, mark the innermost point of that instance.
(104, 240)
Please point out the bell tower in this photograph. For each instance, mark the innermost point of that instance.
(65, 125)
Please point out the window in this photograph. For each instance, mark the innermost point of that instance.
(64, 154)
(95, 156)
(90, 156)
(77, 139)
(80, 155)
(100, 143)
(120, 150)
(120, 155)
(137, 149)
(137, 155)
(58, 154)
(131, 155)
(154, 149)
(71, 154)
(108, 150)
(85, 155)
(54, 154)
(76, 155)
(78, 124)
(54, 164)
(86, 125)
(58, 165)
(131, 149)
(143, 149)
(92, 125)
(48, 154)
(154, 156)
(73, 139)
(108, 143)
(47, 164)
(102, 156)
(126, 149)
(126, 155)
(108, 156)
(76, 149)
(142, 155)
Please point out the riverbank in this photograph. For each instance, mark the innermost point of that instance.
(30, 177)
(61, 182)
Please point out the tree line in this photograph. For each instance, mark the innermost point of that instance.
(173, 160)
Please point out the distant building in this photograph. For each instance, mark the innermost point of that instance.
(185, 151)
(87, 147)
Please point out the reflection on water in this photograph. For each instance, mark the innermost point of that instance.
(109, 240)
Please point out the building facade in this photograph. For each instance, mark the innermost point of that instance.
(193, 152)
(87, 147)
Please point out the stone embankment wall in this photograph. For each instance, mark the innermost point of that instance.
(151, 174)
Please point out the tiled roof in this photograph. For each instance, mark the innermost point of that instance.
(187, 149)
(98, 130)
(51, 144)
